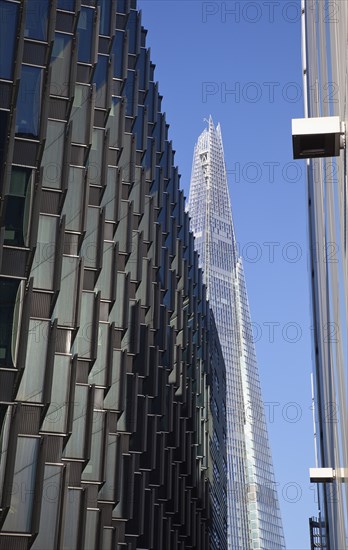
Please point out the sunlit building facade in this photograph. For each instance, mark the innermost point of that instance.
(254, 520)
(325, 58)
(109, 435)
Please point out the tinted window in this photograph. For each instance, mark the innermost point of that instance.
(104, 27)
(117, 50)
(36, 19)
(60, 63)
(3, 133)
(132, 32)
(67, 5)
(121, 6)
(100, 79)
(18, 208)
(85, 32)
(8, 294)
(29, 101)
(8, 29)
(129, 92)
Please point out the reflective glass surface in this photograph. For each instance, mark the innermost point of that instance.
(21, 508)
(8, 296)
(104, 24)
(8, 32)
(29, 101)
(60, 64)
(18, 208)
(36, 19)
(85, 33)
(67, 5)
(118, 52)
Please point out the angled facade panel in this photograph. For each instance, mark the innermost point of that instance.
(106, 345)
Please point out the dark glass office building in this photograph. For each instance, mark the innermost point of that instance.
(112, 384)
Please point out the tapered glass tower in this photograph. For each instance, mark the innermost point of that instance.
(254, 520)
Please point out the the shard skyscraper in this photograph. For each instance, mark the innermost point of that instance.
(254, 520)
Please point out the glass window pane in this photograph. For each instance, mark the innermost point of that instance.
(92, 471)
(8, 31)
(92, 517)
(75, 446)
(8, 297)
(95, 157)
(4, 438)
(113, 397)
(52, 158)
(141, 67)
(107, 492)
(67, 5)
(56, 417)
(18, 208)
(99, 370)
(132, 28)
(72, 517)
(4, 117)
(36, 19)
(114, 121)
(29, 101)
(19, 515)
(109, 197)
(101, 79)
(117, 312)
(85, 33)
(89, 248)
(64, 310)
(104, 282)
(43, 264)
(104, 25)
(118, 51)
(129, 91)
(17, 313)
(73, 204)
(60, 63)
(32, 381)
(49, 518)
(79, 113)
(83, 341)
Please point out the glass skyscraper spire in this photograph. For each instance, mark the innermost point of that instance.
(254, 520)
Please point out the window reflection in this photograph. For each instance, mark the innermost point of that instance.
(67, 5)
(5, 424)
(36, 19)
(132, 31)
(8, 296)
(129, 91)
(43, 263)
(17, 216)
(85, 31)
(29, 101)
(118, 53)
(100, 79)
(104, 25)
(52, 487)
(20, 513)
(79, 113)
(52, 158)
(8, 30)
(60, 63)
(32, 381)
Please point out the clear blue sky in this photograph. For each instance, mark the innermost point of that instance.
(244, 68)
